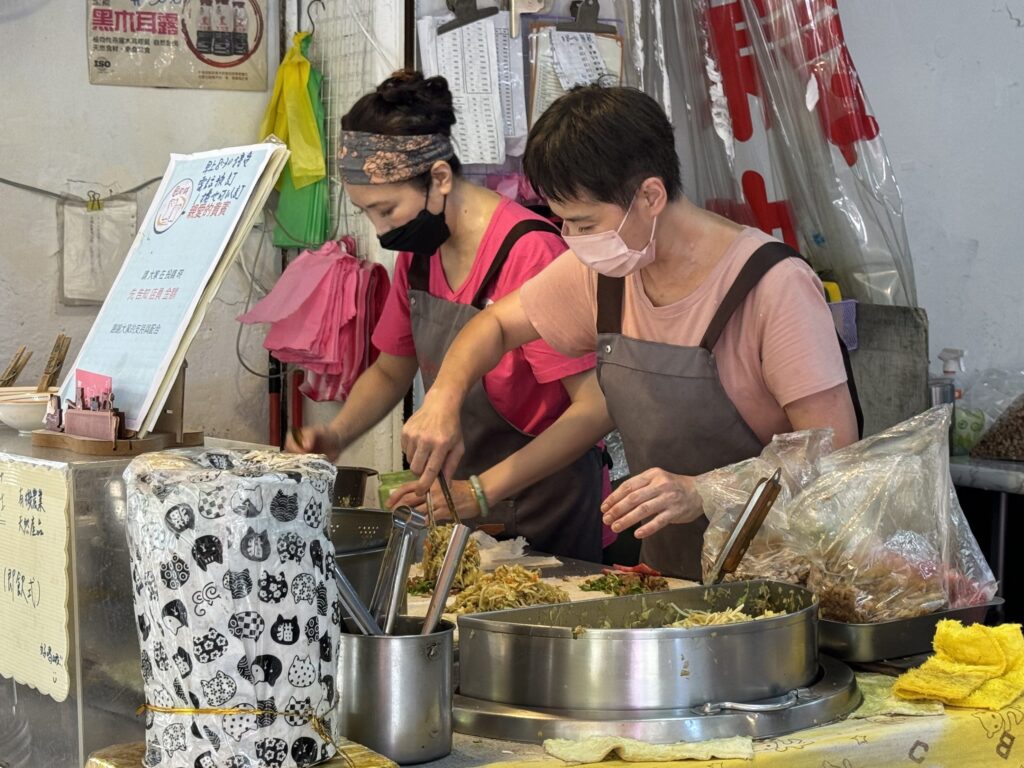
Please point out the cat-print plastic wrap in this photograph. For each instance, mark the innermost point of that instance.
(237, 609)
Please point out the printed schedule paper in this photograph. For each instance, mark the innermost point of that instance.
(467, 58)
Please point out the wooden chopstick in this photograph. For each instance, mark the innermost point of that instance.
(55, 363)
(15, 367)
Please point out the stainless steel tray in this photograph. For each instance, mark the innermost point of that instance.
(615, 653)
(892, 639)
(832, 695)
(356, 530)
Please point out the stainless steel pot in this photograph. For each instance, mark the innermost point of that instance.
(350, 486)
(616, 654)
(395, 691)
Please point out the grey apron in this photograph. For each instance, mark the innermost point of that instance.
(671, 409)
(559, 514)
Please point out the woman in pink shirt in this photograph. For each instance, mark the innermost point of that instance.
(710, 337)
(526, 464)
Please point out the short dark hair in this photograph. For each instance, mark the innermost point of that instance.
(406, 104)
(601, 143)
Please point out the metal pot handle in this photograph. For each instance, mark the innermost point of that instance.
(785, 702)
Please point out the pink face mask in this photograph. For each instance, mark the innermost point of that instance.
(608, 254)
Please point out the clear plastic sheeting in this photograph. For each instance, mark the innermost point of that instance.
(874, 529)
(779, 134)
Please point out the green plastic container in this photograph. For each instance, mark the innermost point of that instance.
(389, 481)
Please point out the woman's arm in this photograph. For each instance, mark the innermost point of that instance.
(432, 438)
(381, 387)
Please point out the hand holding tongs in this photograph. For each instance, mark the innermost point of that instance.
(747, 526)
(451, 563)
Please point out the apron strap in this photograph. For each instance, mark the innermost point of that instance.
(609, 303)
(757, 266)
(419, 272)
(419, 267)
(517, 231)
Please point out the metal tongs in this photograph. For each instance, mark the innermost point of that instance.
(361, 618)
(407, 529)
(747, 526)
(451, 563)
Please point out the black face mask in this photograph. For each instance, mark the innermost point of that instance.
(422, 235)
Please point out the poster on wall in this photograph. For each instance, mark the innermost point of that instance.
(218, 44)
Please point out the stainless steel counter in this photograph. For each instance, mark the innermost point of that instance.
(988, 475)
(106, 685)
(1001, 478)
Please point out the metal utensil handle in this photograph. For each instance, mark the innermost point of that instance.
(398, 585)
(750, 527)
(350, 602)
(446, 576)
(447, 491)
(714, 708)
(718, 572)
(385, 577)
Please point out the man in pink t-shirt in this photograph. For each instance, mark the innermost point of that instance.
(710, 337)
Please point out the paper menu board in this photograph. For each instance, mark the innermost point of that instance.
(34, 567)
(467, 58)
(572, 56)
(202, 210)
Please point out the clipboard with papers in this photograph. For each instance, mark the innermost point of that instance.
(563, 57)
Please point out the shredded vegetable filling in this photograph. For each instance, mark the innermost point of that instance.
(697, 618)
(510, 586)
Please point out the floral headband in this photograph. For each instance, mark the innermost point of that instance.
(375, 158)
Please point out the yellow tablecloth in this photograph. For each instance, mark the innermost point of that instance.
(964, 738)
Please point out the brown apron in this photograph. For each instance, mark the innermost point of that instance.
(559, 514)
(669, 405)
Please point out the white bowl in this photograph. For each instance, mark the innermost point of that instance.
(24, 417)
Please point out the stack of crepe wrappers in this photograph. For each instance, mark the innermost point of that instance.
(974, 666)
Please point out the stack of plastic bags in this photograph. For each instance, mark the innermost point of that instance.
(322, 313)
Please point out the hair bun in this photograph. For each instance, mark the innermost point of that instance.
(405, 103)
(402, 88)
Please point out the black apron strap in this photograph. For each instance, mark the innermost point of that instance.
(610, 291)
(757, 266)
(517, 231)
(419, 272)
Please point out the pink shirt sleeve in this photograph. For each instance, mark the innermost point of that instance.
(532, 255)
(561, 303)
(393, 333)
(799, 348)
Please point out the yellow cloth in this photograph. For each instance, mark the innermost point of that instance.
(290, 117)
(976, 666)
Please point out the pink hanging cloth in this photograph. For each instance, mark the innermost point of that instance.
(322, 312)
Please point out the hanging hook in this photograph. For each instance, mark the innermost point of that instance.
(309, 14)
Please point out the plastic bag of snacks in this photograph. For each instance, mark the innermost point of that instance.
(237, 608)
(874, 529)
